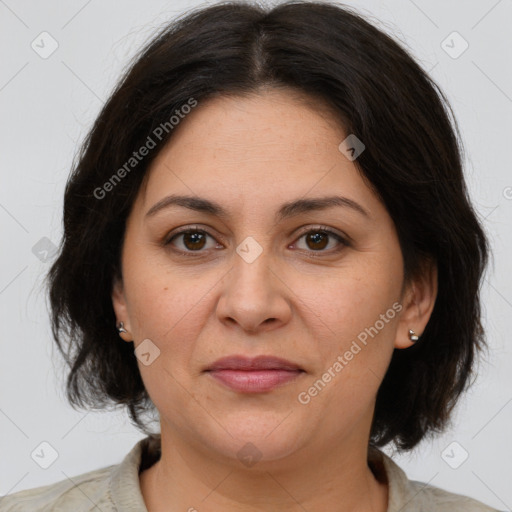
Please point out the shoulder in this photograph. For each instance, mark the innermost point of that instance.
(439, 500)
(86, 492)
(109, 489)
(409, 495)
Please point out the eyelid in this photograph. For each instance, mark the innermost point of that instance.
(185, 229)
(320, 227)
(343, 239)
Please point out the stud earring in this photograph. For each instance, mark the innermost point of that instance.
(413, 336)
(120, 327)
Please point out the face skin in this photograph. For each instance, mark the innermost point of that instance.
(305, 298)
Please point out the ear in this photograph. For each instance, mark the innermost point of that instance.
(120, 309)
(418, 302)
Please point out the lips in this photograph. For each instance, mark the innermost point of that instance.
(255, 363)
(254, 375)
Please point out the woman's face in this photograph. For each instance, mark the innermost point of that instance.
(262, 277)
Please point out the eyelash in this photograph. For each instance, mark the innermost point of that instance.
(319, 229)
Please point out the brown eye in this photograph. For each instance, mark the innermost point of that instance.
(192, 240)
(317, 240)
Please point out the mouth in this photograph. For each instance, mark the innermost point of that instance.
(254, 375)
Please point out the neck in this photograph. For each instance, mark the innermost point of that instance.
(190, 478)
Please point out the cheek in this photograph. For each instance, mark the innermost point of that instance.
(354, 342)
(158, 296)
(170, 308)
(354, 316)
(346, 301)
(163, 304)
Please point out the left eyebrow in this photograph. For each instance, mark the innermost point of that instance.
(286, 210)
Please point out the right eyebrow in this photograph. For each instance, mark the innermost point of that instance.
(287, 210)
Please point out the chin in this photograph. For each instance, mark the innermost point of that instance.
(254, 438)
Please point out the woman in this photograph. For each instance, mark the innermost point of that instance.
(269, 243)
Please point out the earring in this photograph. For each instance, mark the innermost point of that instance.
(413, 336)
(120, 327)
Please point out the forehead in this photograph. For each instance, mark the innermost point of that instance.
(255, 150)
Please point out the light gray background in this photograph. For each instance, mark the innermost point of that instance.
(49, 104)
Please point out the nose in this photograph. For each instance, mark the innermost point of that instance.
(254, 295)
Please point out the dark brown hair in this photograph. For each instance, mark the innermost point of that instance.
(412, 160)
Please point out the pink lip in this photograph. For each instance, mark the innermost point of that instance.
(254, 375)
(253, 363)
(254, 381)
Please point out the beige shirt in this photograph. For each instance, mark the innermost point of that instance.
(116, 488)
